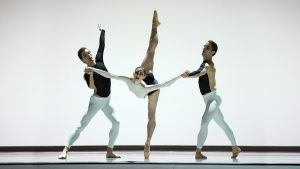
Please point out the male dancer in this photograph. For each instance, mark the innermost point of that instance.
(99, 100)
(207, 83)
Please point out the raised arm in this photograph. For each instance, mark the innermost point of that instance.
(99, 56)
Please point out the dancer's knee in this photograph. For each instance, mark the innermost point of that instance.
(115, 123)
(152, 122)
(83, 124)
(80, 128)
(151, 116)
(155, 39)
(108, 110)
(152, 46)
(151, 110)
(204, 122)
(151, 51)
(114, 120)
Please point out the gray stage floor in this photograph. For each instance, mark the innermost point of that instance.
(158, 159)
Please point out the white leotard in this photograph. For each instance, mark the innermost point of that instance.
(138, 89)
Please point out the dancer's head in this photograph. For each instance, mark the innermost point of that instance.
(139, 74)
(209, 50)
(85, 56)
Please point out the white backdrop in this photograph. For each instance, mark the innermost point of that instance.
(43, 94)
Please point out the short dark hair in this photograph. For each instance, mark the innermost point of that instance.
(80, 52)
(214, 46)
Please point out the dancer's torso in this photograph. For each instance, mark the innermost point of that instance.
(207, 80)
(101, 83)
(150, 80)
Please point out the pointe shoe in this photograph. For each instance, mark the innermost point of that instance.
(199, 155)
(155, 21)
(147, 151)
(110, 154)
(235, 151)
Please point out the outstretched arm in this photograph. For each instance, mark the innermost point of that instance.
(196, 72)
(109, 75)
(99, 56)
(151, 88)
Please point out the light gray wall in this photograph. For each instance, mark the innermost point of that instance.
(43, 94)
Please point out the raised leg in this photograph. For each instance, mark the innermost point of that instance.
(148, 61)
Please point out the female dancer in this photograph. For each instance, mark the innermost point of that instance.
(144, 83)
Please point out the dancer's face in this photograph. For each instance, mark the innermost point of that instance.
(207, 52)
(87, 57)
(138, 74)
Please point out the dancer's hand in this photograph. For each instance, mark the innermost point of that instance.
(88, 70)
(185, 74)
(100, 27)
